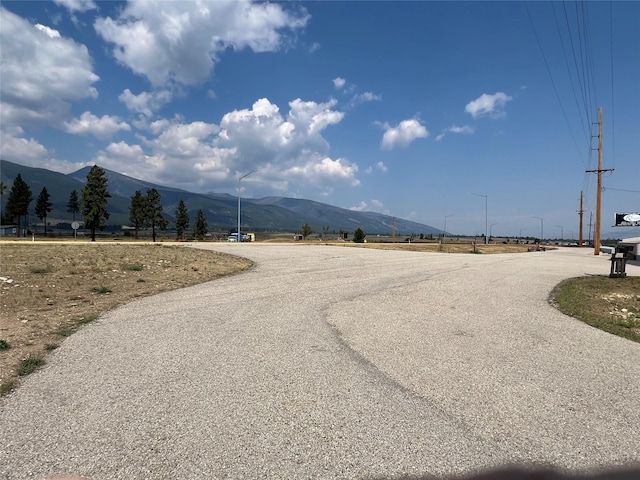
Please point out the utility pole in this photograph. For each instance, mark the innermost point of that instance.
(393, 230)
(599, 171)
(590, 224)
(580, 213)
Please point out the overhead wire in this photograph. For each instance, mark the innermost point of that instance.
(575, 64)
(613, 111)
(553, 83)
(571, 78)
(580, 76)
(621, 190)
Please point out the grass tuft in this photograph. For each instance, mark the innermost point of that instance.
(69, 329)
(51, 346)
(137, 267)
(4, 345)
(7, 387)
(65, 330)
(101, 290)
(47, 269)
(85, 320)
(29, 365)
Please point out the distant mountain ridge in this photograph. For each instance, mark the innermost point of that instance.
(278, 214)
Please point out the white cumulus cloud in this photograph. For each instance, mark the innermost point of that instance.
(23, 150)
(403, 134)
(374, 206)
(464, 130)
(491, 105)
(41, 73)
(146, 103)
(362, 206)
(363, 98)
(101, 127)
(180, 41)
(50, 32)
(29, 152)
(288, 150)
(339, 82)
(381, 166)
(77, 5)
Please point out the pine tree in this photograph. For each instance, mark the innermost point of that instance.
(182, 219)
(73, 205)
(20, 198)
(94, 200)
(306, 230)
(153, 212)
(359, 235)
(43, 207)
(200, 226)
(136, 212)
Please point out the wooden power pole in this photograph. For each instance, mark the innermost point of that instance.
(599, 171)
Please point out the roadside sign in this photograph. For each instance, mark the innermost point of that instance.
(627, 220)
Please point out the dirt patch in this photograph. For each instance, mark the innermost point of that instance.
(49, 290)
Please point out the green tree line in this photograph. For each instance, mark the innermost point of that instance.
(146, 209)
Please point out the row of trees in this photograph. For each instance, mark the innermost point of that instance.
(146, 211)
(93, 202)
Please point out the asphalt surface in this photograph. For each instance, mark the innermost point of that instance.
(333, 362)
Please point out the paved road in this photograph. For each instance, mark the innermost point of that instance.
(332, 362)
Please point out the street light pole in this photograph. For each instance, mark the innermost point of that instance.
(486, 217)
(561, 231)
(239, 235)
(541, 227)
(445, 226)
(491, 229)
(520, 236)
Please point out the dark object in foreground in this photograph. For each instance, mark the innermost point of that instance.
(618, 266)
(521, 474)
(528, 474)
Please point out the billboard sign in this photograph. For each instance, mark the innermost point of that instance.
(627, 220)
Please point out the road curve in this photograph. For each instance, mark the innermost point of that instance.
(333, 362)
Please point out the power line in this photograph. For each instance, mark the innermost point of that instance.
(553, 83)
(620, 190)
(566, 62)
(613, 112)
(575, 61)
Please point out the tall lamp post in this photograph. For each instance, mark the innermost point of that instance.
(541, 227)
(239, 237)
(444, 234)
(520, 236)
(491, 229)
(561, 231)
(486, 217)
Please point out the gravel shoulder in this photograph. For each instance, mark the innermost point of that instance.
(326, 362)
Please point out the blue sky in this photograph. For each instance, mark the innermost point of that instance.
(403, 108)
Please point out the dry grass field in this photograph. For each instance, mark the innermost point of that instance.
(51, 289)
(458, 247)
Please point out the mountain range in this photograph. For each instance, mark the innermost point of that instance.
(274, 214)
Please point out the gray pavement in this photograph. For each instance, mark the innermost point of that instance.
(333, 362)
